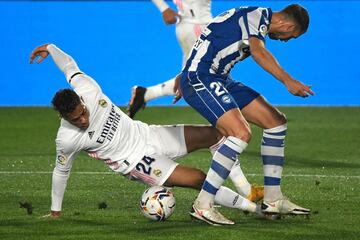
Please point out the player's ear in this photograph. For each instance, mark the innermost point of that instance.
(290, 27)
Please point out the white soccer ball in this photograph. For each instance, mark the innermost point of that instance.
(157, 203)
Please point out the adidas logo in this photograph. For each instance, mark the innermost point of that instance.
(91, 134)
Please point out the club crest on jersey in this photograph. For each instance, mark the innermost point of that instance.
(226, 99)
(263, 29)
(103, 103)
(157, 172)
(61, 159)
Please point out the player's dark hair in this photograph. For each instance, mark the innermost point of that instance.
(65, 101)
(299, 15)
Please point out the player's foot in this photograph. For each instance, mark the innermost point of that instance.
(256, 194)
(210, 215)
(261, 215)
(137, 101)
(283, 206)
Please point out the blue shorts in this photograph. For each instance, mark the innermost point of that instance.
(213, 95)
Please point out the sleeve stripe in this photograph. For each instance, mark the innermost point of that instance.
(72, 76)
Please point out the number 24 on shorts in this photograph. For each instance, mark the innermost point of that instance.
(144, 165)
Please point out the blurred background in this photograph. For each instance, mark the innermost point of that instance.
(126, 43)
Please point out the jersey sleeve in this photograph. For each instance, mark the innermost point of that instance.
(161, 5)
(257, 23)
(79, 81)
(65, 155)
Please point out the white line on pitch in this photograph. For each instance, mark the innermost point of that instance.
(250, 174)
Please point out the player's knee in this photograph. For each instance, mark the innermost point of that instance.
(243, 133)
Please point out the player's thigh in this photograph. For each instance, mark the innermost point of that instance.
(168, 140)
(254, 107)
(263, 114)
(207, 95)
(233, 123)
(200, 136)
(153, 169)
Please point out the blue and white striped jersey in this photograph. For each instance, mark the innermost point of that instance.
(225, 41)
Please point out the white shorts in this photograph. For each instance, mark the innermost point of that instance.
(165, 144)
(187, 34)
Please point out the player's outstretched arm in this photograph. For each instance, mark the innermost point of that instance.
(267, 61)
(64, 61)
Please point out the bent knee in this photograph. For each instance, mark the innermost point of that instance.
(241, 133)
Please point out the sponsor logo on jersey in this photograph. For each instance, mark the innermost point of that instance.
(103, 103)
(61, 159)
(110, 126)
(226, 99)
(157, 172)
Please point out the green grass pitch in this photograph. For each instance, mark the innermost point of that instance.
(322, 172)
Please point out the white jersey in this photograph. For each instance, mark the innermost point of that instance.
(111, 136)
(191, 11)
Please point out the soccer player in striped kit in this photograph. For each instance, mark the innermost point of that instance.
(191, 18)
(228, 105)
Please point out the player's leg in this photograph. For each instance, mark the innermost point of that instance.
(266, 116)
(210, 98)
(141, 95)
(189, 177)
(253, 192)
(155, 169)
(174, 141)
(202, 136)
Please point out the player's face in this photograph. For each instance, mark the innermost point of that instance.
(79, 117)
(284, 36)
(285, 32)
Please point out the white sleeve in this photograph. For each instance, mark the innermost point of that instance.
(59, 182)
(79, 81)
(61, 173)
(257, 24)
(65, 62)
(161, 5)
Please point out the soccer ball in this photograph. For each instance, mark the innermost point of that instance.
(157, 203)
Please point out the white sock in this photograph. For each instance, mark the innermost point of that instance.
(228, 198)
(236, 175)
(272, 152)
(160, 90)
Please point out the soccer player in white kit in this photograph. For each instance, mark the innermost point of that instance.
(92, 123)
(191, 18)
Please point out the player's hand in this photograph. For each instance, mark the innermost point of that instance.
(170, 16)
(177, 89)
(52, 214)
(297, 88)
(40, 52)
